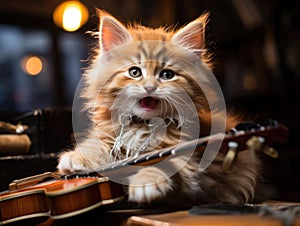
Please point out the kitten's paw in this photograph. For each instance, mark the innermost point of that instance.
(71, 162)
(149, 184)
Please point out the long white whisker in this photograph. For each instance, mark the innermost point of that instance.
(179, 100)
(169, 102)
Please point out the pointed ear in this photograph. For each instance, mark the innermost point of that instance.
(111, 32)
(192, 36)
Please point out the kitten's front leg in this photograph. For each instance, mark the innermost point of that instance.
(74, 161)
(149, 184)
(87, 155)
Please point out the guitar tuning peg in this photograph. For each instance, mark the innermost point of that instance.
(256, 144)
(230, 156)
(269, 151)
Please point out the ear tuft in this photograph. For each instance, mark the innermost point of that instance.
(111, 32)
(192, 36)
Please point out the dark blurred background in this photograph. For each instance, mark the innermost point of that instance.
(256, 54)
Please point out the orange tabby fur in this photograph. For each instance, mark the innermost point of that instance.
(107, 79)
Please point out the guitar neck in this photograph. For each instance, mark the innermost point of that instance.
(270, 135)
(155, 156)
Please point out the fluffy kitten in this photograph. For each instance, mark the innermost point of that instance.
(139, 74)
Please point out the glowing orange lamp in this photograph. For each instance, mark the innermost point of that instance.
(70, 15)
(32, 65)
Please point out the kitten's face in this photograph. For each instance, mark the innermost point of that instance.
(150, 89)
(153, 81)
(149, 72)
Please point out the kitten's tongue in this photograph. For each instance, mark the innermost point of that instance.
(148, 102)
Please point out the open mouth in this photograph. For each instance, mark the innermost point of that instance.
(148, 102)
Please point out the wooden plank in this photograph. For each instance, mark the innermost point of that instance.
(183, 218)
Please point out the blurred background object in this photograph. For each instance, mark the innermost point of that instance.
(70, 15)
(255, 45)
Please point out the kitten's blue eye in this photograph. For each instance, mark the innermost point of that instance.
(135, 72)
(166, 74)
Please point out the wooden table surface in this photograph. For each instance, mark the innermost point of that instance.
(155, 217)
(183, 218)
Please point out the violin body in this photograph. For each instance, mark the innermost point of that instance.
(58, 198)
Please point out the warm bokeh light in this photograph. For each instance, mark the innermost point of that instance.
(72, 18)
(70, 15)
(32, 65)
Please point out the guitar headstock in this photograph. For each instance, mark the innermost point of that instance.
(272, 131)
(253, 137)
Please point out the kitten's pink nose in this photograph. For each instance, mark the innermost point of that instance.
(150, 89)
